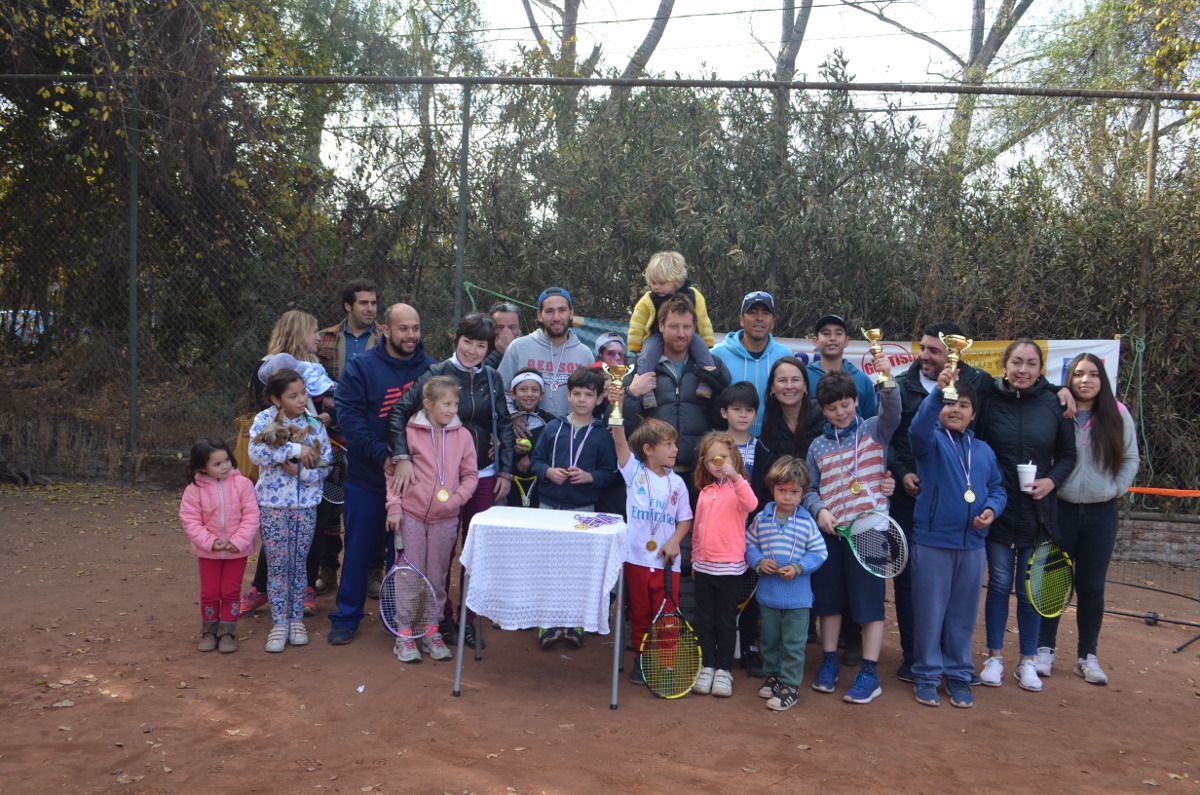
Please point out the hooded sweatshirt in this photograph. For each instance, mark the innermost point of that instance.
(743, 366)
(459, 471)
(867, 403)
(554, 362)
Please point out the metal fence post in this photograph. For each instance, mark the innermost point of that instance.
(461, 242)
(133, 277)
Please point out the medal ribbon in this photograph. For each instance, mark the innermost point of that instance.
(439, 461)
(964, 462)
(573, 457)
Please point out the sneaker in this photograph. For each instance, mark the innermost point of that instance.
(546, 637)
(469, 637)
(649, 401)
(297, 634)
(784, 698)
(448, 628)
(1043, 663)
(277, 639)
(574, 636)
(722, 685)
(636, 676)
(340, 635)
(904, 674)
(769, 687)
(310, 602)
(406, 650)
(864, 690)
(251, 601)
(1089, 668)
(852, 652)
(992, 674)
(960, 694)
(326, 581)
(704, 682)
(754, 666)
(975, 680)
(704, 391)
(927, 695)
(1026, 676)
(436, 648)
(827, 677)
(374, 583)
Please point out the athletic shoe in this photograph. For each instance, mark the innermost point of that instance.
(251, 601)
(406, 650)
(852, 653)
(754, 667)
(960, 694)
(297, 634)
(635, 674)
(722, 685)
(436, 648)
(1026, 676)
(277, 639)
(341, 634)
(547, 637)
(448, 628)
(992, 674)
(904, 674)
(704, 682)
(1089, 668)
(928, 695)
(310, 602)
(574, 636)
(769, 687)
(864, 690)
(326, 580)
(827, 677)
(1043, 663)
(469, 637)
(784, 698)
(975, 680)
(374, 583)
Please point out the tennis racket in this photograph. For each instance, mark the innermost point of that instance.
(526, 493)
(877, 542)
(749, 588)
(670, 655)
(407, 602)
(1049, 579)
(333, 489)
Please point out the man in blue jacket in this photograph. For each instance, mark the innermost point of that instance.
(371, 384)
(749, 353)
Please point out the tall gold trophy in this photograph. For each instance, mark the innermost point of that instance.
(955, 344)
(873, 336)
(617, 372)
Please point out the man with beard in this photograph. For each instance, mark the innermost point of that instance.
(553, 350)
(370, 385)
(749, 353)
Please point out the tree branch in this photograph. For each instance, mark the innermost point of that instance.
(794, 28)
(915, 34)
(543, 44)
(641, 56)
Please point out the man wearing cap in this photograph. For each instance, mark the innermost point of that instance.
(832, 337)
(749, 353)
(554, 350)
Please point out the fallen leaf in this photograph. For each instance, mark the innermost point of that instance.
(492, 756)
(1151, 782)
(520, 748)
(749, 770)
(63, 704)
(804, 747)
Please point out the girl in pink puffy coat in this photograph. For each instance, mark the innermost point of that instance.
(219, 513)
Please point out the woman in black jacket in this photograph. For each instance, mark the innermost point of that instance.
(1023, 422)
(483, 409)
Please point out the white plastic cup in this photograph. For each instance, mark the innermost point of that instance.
(1026, 474)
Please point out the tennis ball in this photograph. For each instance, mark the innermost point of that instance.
(524, 445)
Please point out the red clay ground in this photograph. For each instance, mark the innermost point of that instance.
(102, 690)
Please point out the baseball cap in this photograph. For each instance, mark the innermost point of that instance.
(608, 338)
(758, 297)
(552, 291)
(830, 320)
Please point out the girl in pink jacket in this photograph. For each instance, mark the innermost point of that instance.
(445, 474)
(219, 513)
(719, 556)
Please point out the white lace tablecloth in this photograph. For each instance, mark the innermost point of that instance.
(530, 567)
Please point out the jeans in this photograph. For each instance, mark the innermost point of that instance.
(1004, 562)
(1089, 534)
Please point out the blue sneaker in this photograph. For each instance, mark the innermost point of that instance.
(827, 677)
(927, 695)
(341, 634)
(904, 673)
(960, 694)
(864, 690)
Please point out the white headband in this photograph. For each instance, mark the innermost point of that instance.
(519, 377)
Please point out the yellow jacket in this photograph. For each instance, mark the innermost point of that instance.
(644, 320)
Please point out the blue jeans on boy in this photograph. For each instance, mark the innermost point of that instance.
(1004, 563)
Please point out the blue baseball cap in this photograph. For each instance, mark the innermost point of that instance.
(552, 291)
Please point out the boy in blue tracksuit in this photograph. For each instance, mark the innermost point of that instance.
(962, 494)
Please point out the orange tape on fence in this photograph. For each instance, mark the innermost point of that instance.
(1165, 492)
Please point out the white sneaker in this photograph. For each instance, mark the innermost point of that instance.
(277, 639)
(1089, 668)
(297, 634)
(722, 684)
(704, 682)
(992, 673)
(435, 647)
(406, 650)
(1027, 677)
(1043, 663)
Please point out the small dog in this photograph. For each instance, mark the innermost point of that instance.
(278, 433)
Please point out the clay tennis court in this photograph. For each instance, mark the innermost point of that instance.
(103, 691)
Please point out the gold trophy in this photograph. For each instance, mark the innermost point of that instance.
(873, 336)
(616, 372)
(955, 344)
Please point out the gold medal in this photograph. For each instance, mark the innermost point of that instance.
(718, 460)
(443, 496)
(855, 487)
(969, 496)
(651, 545)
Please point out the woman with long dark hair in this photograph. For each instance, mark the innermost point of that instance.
(1105, 466)
(791, 420)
